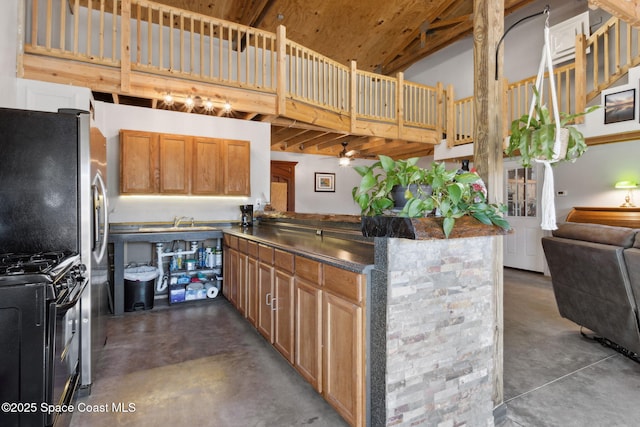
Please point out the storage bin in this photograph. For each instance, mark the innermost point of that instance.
(139, 286)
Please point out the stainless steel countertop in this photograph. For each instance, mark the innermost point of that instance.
(346, 254)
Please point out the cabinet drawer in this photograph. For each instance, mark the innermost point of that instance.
(344, 283)
(283, 260)
(265, 253)
(231, 241)
(242, 245)
(252, 249)
(309, 270)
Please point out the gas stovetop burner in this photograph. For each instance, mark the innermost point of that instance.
(36, 263)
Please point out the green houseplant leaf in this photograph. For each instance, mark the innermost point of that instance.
(453, 195)
(534, 137)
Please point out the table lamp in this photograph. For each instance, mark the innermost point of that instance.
(627, 185)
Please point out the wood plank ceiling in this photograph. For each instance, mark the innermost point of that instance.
(380, 35)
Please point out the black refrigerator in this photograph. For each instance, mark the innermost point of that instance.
(53, 198)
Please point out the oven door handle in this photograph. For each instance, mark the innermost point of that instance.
(61, 309)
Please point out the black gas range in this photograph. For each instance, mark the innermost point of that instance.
(40, 297)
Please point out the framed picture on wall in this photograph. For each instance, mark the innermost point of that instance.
(620, 106)
(325, 182)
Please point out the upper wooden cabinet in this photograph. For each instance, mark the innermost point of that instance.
(175, 163)
(154, 163)
(138, 162)
(236, 167)
(207, 166)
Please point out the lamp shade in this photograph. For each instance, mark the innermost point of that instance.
(626, 184)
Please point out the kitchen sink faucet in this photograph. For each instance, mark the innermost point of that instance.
(177, 221)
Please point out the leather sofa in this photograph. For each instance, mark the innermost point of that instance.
(595, 274)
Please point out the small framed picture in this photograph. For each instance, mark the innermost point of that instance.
(620, 106)
(325, 182)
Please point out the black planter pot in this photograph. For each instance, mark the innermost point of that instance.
(398, 192)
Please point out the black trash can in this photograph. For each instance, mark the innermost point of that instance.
(139, 286)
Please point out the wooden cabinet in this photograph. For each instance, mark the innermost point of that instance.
(230, 267)
(308, 321)
(265, 291)
(236, 157)
(312, 313)
(157, 163)
(138, 162)
(175, 163)
(283, 304)
(252, 284)
(343, 357)
(207, 167)
(343, 376)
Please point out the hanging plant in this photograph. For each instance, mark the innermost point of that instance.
(533, 136)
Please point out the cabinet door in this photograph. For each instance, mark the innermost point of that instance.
(252, 290)
(265, 295)
(343, 358)
(138, 162)
(230, 273)
(175, 163)
(206, 177)
(241, 292)
(308, 332)
(283, 320)
(237, 167)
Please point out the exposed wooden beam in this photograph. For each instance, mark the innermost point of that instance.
(627, 10)
(488, 26)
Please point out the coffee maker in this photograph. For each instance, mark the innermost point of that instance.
(247, 215)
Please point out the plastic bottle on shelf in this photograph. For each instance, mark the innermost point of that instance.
(218, 259)
(210, 258)
(179, 262)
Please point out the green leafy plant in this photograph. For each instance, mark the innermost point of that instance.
(534, 137)
(373, 195)
(453, 194)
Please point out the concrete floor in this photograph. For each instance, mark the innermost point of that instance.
(203, 364)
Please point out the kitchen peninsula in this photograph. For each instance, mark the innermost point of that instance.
(391, 331)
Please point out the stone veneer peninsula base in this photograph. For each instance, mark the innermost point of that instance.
(432, 326)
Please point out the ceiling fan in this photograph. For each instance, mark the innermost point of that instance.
(346, 156)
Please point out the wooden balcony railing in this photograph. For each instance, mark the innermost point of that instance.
(140, 36)
(614, 49)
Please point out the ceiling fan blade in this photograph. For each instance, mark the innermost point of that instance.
(351, 153)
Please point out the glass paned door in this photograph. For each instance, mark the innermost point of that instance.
(522, 192)
(522, 248)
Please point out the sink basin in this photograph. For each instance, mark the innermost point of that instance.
(174, 229)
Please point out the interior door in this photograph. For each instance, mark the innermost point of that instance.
(523, 186)
(283, 185)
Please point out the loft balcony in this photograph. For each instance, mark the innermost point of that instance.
(138, 52)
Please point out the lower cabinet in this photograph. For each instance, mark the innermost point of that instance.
(343, 374)
(312, 313)
(265, 298)
(252, 290)
(308, 330)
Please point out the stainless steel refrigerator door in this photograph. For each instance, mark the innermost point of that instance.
(94, 227)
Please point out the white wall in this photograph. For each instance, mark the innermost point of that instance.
(522, 49)
(308, 201)
(110, 118)
(9, 37)
(590, 181)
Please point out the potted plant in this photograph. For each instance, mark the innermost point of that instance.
(533, 137)
(453, 194)
(388, 184)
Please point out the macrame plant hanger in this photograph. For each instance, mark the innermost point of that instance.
(547, 201)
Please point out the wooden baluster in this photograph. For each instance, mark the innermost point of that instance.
(101, 34)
